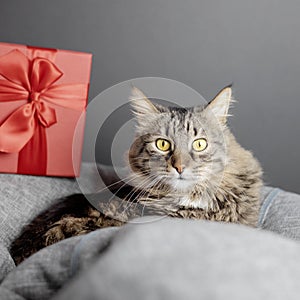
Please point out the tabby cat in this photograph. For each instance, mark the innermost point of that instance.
(184, 163)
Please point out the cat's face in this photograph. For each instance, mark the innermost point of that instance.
(178, 147)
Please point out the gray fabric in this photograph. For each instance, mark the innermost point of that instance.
(181, 259)
(150, 248)
(23, 197)
(167, 259)
(280, 213)
(6, 262)
(42, 274)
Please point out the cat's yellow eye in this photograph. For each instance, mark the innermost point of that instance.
(163, 145)
(200, 144)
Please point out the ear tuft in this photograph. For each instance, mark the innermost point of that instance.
(221, 103)
(140, 104)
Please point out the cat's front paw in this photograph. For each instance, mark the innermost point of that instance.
(67, 227)
(54, 235)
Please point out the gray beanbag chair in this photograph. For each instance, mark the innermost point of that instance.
(167, 259)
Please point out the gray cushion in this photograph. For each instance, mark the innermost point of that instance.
(166, 259)
(6, 262)
(23, 197)
(280, 212)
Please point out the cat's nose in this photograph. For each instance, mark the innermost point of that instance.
(177, 164)
(179, 168)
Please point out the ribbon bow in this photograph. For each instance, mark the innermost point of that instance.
(34, 81)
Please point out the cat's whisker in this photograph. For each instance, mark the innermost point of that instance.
(112, 197)
(141, 186)
(136, 188)
(149, 191)
(130, 203)
(152, 181)
(160, 184)
(117, 182)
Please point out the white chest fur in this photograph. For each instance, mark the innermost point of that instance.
(194, 203)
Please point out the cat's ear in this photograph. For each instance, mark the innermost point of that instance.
(142, 107)
(220, 104)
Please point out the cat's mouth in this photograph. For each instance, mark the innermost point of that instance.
(183, 179)
(182, 182)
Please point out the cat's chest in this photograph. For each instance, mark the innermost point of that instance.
(191, 201)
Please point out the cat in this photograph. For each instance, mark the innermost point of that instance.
(184, 163)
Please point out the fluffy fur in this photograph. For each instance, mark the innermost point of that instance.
(220, 183)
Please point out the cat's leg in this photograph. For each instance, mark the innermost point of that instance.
(70, 225)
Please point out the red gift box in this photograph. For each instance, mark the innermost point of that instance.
(43, 97)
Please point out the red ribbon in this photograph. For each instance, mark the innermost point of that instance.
(33, 80)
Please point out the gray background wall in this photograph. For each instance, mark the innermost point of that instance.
(205, 44)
